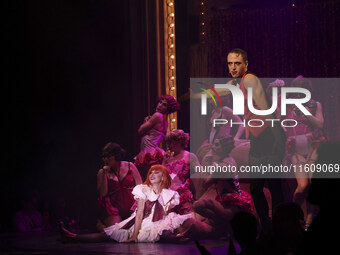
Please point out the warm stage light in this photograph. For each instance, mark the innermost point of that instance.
(170, 57)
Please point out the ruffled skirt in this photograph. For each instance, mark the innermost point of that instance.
(149, 157)
(150, 231)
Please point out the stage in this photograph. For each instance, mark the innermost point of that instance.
(47, 243)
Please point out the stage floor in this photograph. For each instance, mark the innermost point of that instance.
(46, 243)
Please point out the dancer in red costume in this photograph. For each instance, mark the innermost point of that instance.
(303, 141)
(115, 182)
(153, 131)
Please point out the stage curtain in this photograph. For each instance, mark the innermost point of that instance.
(280, 42)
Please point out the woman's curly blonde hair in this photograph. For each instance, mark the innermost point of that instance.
(178, 136)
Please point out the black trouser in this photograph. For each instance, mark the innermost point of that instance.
(262, 151)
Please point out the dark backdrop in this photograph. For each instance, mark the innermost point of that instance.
(281, 40)
(74, 80)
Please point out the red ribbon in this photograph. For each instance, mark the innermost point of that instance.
(157, 215)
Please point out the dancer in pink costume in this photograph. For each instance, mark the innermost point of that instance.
(177, 161)
(153, 131)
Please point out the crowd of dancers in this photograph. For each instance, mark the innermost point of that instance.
(168, 205)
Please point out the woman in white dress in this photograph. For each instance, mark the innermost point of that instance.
(152, 220)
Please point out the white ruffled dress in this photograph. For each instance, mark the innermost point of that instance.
(150, 231)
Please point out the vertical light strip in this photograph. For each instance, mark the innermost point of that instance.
(170, 56)
(203, 24)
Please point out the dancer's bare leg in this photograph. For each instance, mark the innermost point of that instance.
(195, 230)
(302, 179)
(311, 209)
(111, 220)
(206, 208)
(92, 238)
(213, 210)
(108, 221)
(100, 226)
(86, 238)
(218, 216)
